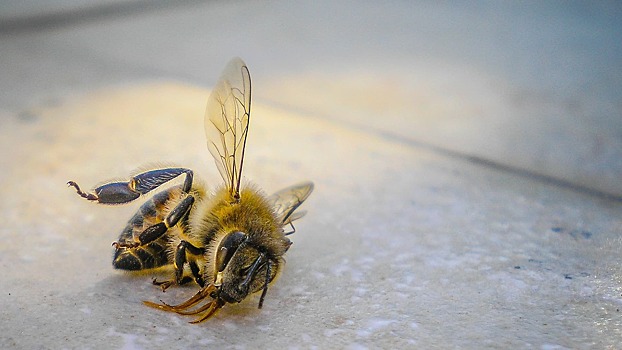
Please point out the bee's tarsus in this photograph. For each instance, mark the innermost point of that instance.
(162, 284)
(88, 196)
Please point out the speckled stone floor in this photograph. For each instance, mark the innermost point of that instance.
(466, 161)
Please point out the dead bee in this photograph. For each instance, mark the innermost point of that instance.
(233, 241)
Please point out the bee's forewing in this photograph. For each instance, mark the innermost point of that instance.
(226, 122)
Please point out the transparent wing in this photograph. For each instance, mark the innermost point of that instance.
(226, 122)
(288, 199)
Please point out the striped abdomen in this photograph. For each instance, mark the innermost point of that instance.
(153, 254)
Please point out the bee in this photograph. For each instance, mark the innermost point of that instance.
(231, 242)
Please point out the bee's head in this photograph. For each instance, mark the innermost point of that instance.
(242, 268)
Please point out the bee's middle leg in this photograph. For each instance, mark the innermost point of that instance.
(156, 231)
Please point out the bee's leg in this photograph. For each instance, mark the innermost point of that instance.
(125, 192)
(183, 255)
(181, 258)
(156, 231)
(196, 272)
(165, 284)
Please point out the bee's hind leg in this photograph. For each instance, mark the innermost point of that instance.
(143, 183)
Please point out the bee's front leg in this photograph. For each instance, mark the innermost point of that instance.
(165, 284)
(181, 258)
(184, 253)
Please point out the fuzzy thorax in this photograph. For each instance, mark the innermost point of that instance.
(214, 218)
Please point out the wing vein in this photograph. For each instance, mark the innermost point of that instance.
(226, 123)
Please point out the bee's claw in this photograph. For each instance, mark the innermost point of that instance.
(164, 285)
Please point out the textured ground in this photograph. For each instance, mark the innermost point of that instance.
(466, 159)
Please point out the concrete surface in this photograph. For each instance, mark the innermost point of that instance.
(466, 161)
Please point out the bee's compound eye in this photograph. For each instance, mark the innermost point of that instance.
(227, 248)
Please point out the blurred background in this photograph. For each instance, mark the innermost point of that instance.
(533, 86)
